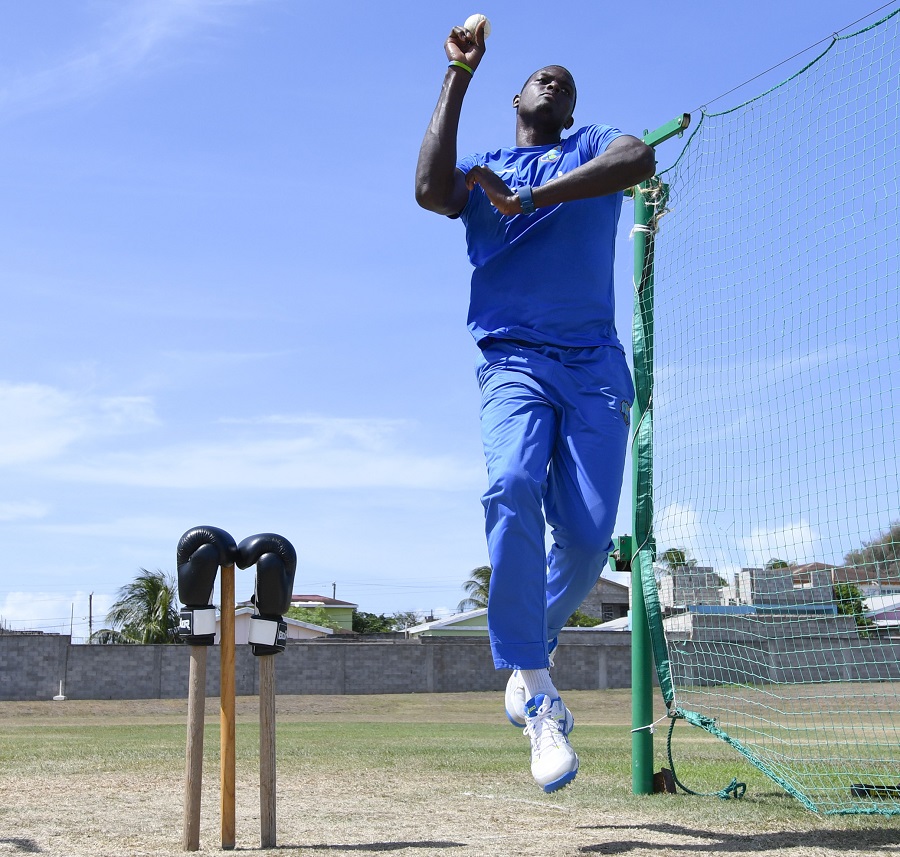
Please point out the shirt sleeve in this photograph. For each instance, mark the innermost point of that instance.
(595, 139)
(464, 165)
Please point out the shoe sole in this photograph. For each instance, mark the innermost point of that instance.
(562, 782)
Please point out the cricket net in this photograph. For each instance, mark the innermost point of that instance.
(772, 568)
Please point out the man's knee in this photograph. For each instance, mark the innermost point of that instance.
(587, 548)
(514, 486)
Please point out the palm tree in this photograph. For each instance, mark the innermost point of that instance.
(145, 612)
(476, 588)
(678, 558)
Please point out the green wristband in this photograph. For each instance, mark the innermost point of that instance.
(459, 64)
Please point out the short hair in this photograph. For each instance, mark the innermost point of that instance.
(571, 77)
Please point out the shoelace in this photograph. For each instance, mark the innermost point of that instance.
(543, 730)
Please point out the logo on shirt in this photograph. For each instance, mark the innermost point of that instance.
(551, 156)
(625, 411)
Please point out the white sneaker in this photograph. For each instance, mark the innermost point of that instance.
(517, 696)
(553, 761)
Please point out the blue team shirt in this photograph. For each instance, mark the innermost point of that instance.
(544, 278)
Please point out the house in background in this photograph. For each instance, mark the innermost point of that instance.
(296, 630)
(472, 623)
(340, 612)
(870, 578)
(608, 601)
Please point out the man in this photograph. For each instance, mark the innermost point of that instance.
(540, 223)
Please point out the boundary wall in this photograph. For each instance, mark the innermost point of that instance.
(31, 667)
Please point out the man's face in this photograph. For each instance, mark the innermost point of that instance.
(549, 94)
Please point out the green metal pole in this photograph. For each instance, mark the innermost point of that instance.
(641, 652)
(642, 477)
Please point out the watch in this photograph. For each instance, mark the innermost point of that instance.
(526, 199)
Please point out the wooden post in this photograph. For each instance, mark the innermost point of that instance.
(267, 834)
(193, 765)
(226, 698)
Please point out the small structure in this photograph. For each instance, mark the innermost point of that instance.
(296, 630)
(869, 578)
(883, 610)
(685, 585)
(472, 623)
(607, 601)
(340, 612)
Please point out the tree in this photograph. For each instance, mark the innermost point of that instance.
(369, 623)
(145, 611)
(881, 555)
(314, 616)
(476, 589)
(848, 599)
(405, 619)
(776, 563)
(582, 620)
(676, 558)
(672, 558)
(107, 637)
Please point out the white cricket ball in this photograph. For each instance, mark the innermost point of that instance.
(474, 20)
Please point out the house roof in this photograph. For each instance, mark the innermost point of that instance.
(244, 611)
(319, 601)
(861, 574)
(449, 621)
(878, 604)
(606, 579)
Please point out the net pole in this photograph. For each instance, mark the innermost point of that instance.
(641, 656)
(642, 472)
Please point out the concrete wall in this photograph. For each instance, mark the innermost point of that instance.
(780, 649)
(31, 667)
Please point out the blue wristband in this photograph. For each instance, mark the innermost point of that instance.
(526, 200)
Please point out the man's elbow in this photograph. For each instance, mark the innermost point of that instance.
(645, 163)
(431, 199)
(425, 196)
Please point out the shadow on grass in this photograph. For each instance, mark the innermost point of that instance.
(741, 843)
(26, 846)
(375, 846)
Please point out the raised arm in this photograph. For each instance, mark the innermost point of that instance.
(440, 187)
(626, 162)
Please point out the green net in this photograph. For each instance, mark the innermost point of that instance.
(775, 574)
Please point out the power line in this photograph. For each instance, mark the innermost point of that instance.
(799, 53)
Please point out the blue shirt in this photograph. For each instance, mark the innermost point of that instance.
(544, 278)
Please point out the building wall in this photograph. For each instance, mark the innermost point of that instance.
(31, 667)
(606, 601)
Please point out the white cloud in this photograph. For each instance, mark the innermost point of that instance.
(677, 526)
(793, 542)
(23, 509)
(322, 454)
(132, 38)
(43, 425)
(40, 422)
(55, 612)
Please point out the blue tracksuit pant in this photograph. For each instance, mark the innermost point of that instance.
(555, 424)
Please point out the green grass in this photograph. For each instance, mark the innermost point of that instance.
(372, 742)
(478, 752)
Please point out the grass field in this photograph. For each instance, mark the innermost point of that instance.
(440, 774)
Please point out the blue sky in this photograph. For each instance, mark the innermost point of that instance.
(221, 302)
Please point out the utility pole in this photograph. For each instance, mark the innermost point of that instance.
(334, 591)
(90, 616)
